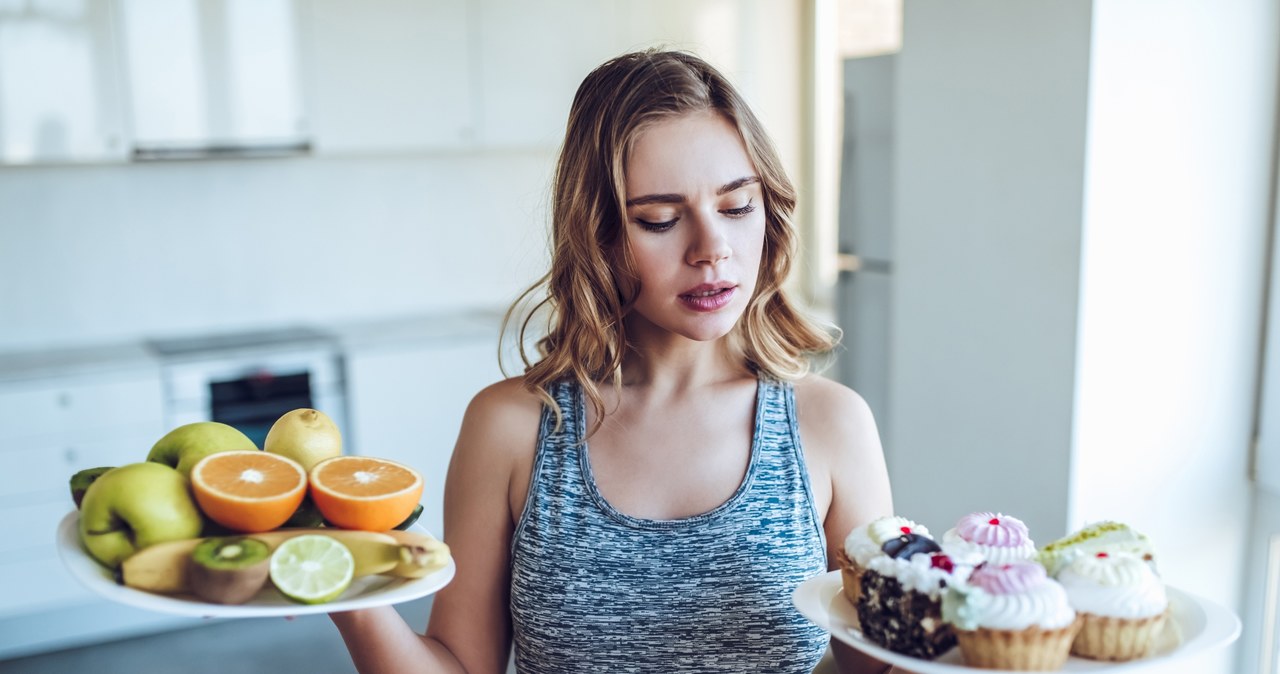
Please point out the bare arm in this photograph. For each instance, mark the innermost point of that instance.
(842, 443)
(469, 631)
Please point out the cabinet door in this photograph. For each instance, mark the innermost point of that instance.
(407, 406)
(59, 84)
(392, 76)
(49, 429)
(533, 56)
(211, 76)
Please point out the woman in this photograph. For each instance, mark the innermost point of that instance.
(641, 500)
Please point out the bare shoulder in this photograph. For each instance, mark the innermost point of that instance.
(507, 398)
(503, 411)
(499, 433)
(821, 393)
(833, 418)
(843, 453)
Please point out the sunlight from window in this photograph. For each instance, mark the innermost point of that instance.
(869, 27)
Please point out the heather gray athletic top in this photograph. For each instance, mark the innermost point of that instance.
(595, 590)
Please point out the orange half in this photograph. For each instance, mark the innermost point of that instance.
(249, 491)
(364, 492)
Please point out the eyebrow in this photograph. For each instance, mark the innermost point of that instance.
(679, 198)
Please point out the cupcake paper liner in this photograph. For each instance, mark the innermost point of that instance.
(851, 577)
(1031, 649)
(1118, 639)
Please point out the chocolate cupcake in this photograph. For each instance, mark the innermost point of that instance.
(900, 607)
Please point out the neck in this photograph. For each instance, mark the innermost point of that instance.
(670, 362)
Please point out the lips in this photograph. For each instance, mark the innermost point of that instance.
(708, 296)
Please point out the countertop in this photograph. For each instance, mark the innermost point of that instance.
(141, 354)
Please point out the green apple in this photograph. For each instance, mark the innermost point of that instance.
(134, 506)
(82, 479)
(184, 446)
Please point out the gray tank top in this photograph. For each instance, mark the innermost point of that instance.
(595, 590)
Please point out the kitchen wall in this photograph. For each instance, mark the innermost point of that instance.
(113, 252)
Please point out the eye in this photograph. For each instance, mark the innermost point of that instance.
(657, 226)
(740, 211)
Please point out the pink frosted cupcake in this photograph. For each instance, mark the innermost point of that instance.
(1011, 616)
(996, 537)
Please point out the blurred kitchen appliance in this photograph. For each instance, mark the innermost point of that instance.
(866, 232)
(249, 379)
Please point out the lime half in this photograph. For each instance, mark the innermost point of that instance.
(312, 569)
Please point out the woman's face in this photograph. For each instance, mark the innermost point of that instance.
(695, 223)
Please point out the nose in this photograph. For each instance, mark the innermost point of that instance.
(710, 243)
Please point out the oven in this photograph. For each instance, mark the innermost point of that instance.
(250, 379)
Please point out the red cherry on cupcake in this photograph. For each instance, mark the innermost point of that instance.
(1103, 555)
(995, 521)
(942, 562)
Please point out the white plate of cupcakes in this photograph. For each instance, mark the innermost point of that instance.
(983, 597)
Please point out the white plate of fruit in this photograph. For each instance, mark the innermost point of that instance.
(209, 525)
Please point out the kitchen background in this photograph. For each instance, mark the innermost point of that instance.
(1045, 228)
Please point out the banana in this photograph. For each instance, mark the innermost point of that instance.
(420, 554)
(163, 567)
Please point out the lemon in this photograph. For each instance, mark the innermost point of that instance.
(312, 569)
(305, 435)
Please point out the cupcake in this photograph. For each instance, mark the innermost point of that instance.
(1122, 601)
(865, 543)
(998, 538)
(1011, 616)
(900, 607)
(1109, 537)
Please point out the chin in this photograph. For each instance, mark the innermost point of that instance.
(708, 330)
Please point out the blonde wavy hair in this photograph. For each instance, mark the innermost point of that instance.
(590, 287)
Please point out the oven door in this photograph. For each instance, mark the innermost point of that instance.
(250, 390)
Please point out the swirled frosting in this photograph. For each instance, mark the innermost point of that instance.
(1117, 585)
(865, 542)
(997, 537)
(1011, 596)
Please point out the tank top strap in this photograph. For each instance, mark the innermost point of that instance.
(782, 463)
(555, 462)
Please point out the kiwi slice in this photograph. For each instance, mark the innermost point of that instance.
(82, 479)
(229, 570)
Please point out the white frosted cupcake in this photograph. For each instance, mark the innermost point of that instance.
(1011, 616)
(998, 538)
(865, 543)
(1123, 604)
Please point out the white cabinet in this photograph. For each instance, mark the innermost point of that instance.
(59, 90)
(209, 77)
(50, 429)
(533, 56)
(407, 403)
(389, 77)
